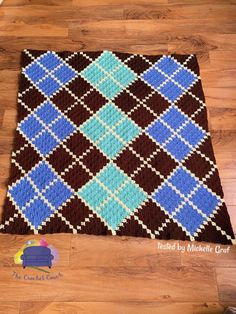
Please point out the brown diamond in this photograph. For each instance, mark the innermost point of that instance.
(125, 101)
(78, 143)
(142, 116)
(77, 176)
(94, 160)
(75, 211)
(32, 98)
(198, 165)
(27, 158)
(147, 179)
(78, 114)
(157, 103)
(151, 215)
(132, 227)
(60, 159)
(144, 146)
(138, 64)
(94, 100)
(63, 100)
(127, 161)
(79, 86)
(163, 163)
(140, 89)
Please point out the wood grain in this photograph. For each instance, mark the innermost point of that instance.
(119, 307)
(113, 274)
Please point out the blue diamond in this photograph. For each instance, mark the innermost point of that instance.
(45, 143)
(159, 132)
(48, 86)
(178, 148)
(37, 212)
(154, 77)
(64, 74)
(189, 218)
(171, 90)
(184, 77)
(42, 175)
(62, 128)
(183, 181)
(35, 72)
(173, 118)
(57, 194)
(47, 113)
(205, 200)
(167, 65)
(191, 133)
(49, 60)
(31, 127)
(168, 198)
(22, 192)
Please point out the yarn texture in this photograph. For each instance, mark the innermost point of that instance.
(112, 143)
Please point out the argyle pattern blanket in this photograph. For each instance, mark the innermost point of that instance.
(112, 143)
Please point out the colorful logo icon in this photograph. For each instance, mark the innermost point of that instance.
(36, 254)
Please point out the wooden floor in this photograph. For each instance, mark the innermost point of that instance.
(111, 274)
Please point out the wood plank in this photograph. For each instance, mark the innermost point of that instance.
(222, 60)
(232, 214)
(119, 307)
(223, 141)
(206, 11)
(53, 15)
(222, 118)
(229, 191)
(112, 284)
(115, 2)
(9, 307)
(226, 162)
(8, 3)
(92, 251)
(215, 258)
(18, 28)
(8, 81)
(226, 279)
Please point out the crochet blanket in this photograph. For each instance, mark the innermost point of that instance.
(112, 143)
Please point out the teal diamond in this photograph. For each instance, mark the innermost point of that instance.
(110, 145)
(93, 129)
(93, 194)
(108, 74)
(107, 213)
(112, 195)
(110, 114)
(111, 177)
(98, 130)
